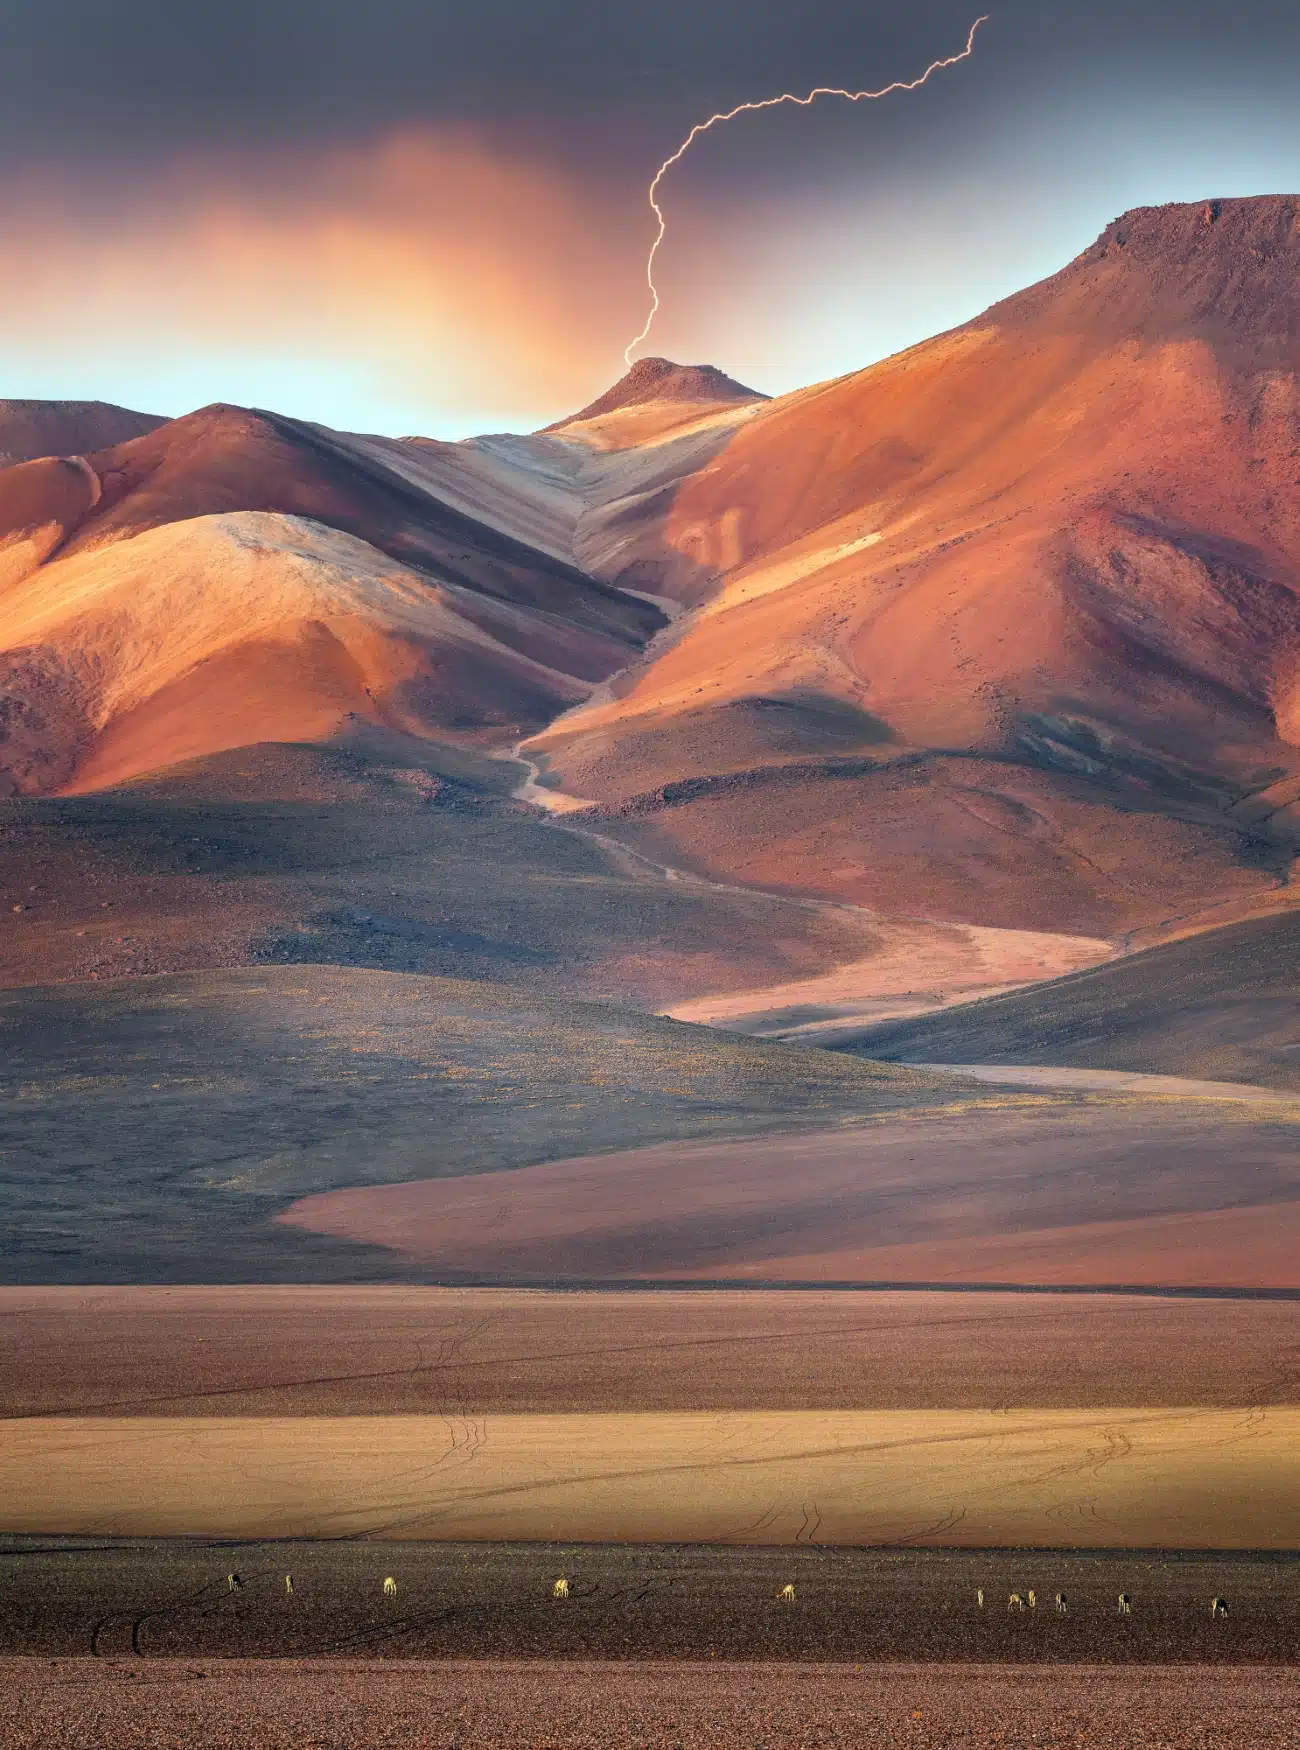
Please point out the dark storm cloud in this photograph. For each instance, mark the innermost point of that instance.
(119, 77)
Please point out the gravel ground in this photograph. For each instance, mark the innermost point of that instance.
(84, 1704)
(151, 1129)
(160, 1599)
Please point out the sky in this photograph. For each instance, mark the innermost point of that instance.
(426, 216)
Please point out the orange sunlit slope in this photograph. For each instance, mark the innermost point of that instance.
(1005, 628)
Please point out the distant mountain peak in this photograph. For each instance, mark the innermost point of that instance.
(657, 379)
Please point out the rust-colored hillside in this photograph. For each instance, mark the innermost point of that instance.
(1001, 632)
(237, 577)
(1003, 629)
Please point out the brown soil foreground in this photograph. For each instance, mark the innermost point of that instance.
(1000, 1188)
(1122, 1479)
(338, 1351)
(228, 1705)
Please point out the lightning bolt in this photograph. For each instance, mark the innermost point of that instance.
(727, 115)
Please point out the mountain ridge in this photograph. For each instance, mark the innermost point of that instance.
(1050, 558)
(109, 563)
(30, 429)
(1002, 631)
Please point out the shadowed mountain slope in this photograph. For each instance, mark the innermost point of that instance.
(1005, 629)
(29, 429)
(151, 1129)
(384, 852)
(1224, 1004)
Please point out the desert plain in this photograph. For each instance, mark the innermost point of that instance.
(680, 1417)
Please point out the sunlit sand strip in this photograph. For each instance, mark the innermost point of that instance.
(917, 966)
(1075, 1478)
(1119, 1081)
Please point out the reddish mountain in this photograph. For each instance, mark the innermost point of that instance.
(1000, 632)
(1005, 629)
(238, 577)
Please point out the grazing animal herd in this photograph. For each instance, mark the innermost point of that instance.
(1017, 1602)
(1021, 1601)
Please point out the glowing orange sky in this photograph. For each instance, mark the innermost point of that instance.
(431, 282)
(426, 265)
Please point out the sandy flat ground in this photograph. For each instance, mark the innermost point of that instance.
(1120, 1081)
(1173, 1479)
(386, 1350)
(998, 1187)
(83, 1704)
